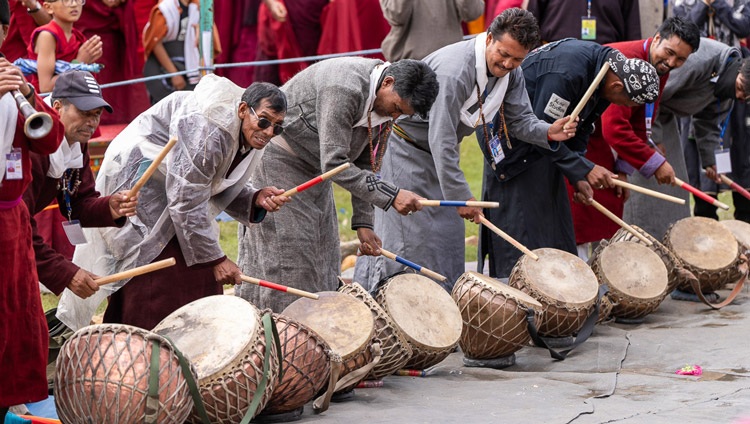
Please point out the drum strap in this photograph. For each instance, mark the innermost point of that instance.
(272, 338)
(187, 373)
(583, 334)
(696, 285)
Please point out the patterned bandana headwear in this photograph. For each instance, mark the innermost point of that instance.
(639, 77)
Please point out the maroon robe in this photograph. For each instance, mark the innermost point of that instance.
(237, 23)
(21, 26)
(352, 25)
(66, 50)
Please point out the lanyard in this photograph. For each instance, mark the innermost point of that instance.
(649, 117)
(724, 125)
(588, 9)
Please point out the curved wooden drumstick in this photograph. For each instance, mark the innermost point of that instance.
(165, 263)
(459, 203)
(317, 180)
(620, 222)
(279, 287)
(486, 222)
(703, 196)
(734, 186)
(589, 92)
(410, 264)
(648, 192)
(152, 168)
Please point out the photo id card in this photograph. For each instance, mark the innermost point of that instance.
(14, 165)
(74, 232)
(723, 161)
(588, 28)
(496, 149)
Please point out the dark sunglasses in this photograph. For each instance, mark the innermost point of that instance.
(264, 123)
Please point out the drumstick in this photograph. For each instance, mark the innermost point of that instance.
(152, 168)
(589, 92)
(410, 264)
(145, 269)
(459, 203)
(648, 192)
(700, 194)
(279, 287)
(486, 222)
(620, 222)
(319, 179)
(734, 186)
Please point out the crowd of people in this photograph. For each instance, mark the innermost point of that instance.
(665, 107)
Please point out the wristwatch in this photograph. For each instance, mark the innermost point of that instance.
(31, 93)
(36, 8)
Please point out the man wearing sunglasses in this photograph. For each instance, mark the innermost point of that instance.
(221, 132)
(340, 111)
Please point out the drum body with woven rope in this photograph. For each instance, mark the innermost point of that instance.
(396, 349)
(425, 314)
(635, 275)
(707, 249)
(741, 232)
(494, 316)
(345, 323)
(224, 338)
(306, 366)
(103, 373)
(565, 286)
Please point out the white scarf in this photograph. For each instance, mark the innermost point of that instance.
(171, 11)
(493, 101)
(65, 157)
(375, 119)
(8, 118)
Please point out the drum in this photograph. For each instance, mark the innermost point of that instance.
(741, 232)
(707, 249)
(494, 316)
(102, 376)
(425, 314)
(306, 366)
(345, 323)
(636, 278)
(565, 286)
(396, 349)
(224, 338)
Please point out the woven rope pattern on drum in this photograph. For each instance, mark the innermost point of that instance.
(396, 349)
(306, 366)
(102, 376)
(494, 326)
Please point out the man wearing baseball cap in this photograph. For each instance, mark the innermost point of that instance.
(66, 176)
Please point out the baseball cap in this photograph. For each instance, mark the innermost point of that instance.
(81, 89)
(639, 77)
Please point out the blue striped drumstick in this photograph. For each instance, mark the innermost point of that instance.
(458, 203)
(410, 264)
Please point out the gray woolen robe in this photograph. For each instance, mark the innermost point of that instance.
(434, 237)
(298, 246)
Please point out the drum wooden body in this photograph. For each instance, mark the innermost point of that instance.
(741, 232)
(102, 376)
(564, 285)
(426, 315)
(707, 249)
(223, 338)
(672, 263)
(635, 275)
(345, 323)
(306, 366)
(494, 316)
(396, 349)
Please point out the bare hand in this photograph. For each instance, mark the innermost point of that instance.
(561, 130)
(665, 174)
(277, 9)
(82, 284)
(622, 192)
(11, 78)
(712, 174)
(470, 213)
(227, 272)
(271, 199)
(600, 177)
(662, 149)
(584, 193)
(121, 205)
(407, 202)
(370, 243)
(91, 50)
(178, 82)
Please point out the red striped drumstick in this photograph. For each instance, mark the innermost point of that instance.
(700, 194)
(279, 287)
(317, 180)
(734, 186)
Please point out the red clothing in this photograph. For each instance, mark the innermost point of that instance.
(55, 269)
(21, 26)
(493, 8)
(142, 10)
(66, 50)
(237, 23)
(351, 25)
(23, 328)
(622, 129)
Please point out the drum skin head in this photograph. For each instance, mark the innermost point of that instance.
(634, 269)
(344, 322)
(740, 229)
(211, 332)
(703, 243)
(423, 310)
(504, 289)
(561, 276)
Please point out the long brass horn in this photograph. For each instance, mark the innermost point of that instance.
(38, 124)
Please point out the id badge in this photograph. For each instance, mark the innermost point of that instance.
(14, 165)
(588, 28)
(74, 232)
(496, 148)
(723, 161)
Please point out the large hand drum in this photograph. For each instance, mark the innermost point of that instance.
(636, 277)
(741, 231)
(564, 285)
(224, 338)
(707, 249)
(495, 319)
(102, 376)
(425, 314)
(396, 349)
(670, 260)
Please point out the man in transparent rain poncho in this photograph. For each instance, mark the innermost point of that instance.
(220, 133)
